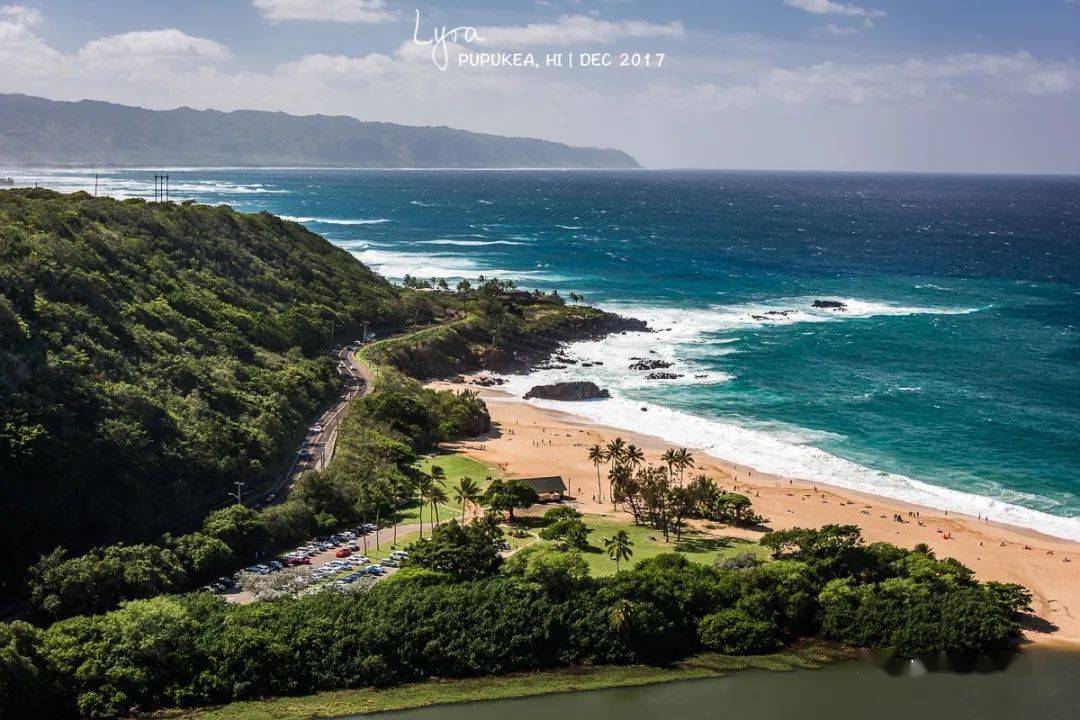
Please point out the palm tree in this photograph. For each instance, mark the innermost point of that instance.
(437, 496)
(598, 456)
(423, 487)
(400, 492)
(466, 491)
(615, 450)
(671, 459)
(633, 456)
(618, 547)
(684, 461)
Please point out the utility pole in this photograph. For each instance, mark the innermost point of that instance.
(95, 184)
(166, 188)
(239, 492)
(364, 337)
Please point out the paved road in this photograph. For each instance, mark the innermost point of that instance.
(318, 447)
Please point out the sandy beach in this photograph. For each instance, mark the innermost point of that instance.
(528, 441)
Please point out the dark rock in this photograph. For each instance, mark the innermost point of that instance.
(568, 391)
(663, 376)
(485, 381)
(651, 365)
(829, 305)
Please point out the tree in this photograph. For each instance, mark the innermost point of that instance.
(670, 458)
(203, 556)
(467, 491)
(633, 456)
(401, 491)
(437, 496)
(506, 495)
(614, 451)
(683, 461)
(100, 579)
(571, 531)
(423, 487)
(559, 571)
(244, 530)
(598, 456)
(619, 547)
(466, 552)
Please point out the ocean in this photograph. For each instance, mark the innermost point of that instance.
(949, 377)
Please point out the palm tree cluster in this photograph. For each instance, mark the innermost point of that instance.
(656, 495)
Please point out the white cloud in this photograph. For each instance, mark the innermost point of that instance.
(829, 7)
(738, 105)
(20, 15)
(836, 30)
(344, 11)
(153, 45)
(576, 29)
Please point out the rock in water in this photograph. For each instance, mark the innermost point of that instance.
(568, 391)
(830, 305)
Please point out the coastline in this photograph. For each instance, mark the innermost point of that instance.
(530, 440)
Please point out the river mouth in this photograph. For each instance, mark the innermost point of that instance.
(1039, 683)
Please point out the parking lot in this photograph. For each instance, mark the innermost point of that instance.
(335, 562)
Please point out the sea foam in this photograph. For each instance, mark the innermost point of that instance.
(778, 450)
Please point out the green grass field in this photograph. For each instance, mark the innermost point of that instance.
(456, 467)
(695, 546)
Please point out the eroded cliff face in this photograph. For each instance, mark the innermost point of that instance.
(472, 345)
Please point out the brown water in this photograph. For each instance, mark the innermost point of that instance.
(1035, 685)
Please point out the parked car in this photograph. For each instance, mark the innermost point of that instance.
(375, 570)
(316, 428)
(391, 562)
(343, 553)
(399, 555)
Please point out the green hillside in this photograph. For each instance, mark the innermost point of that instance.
(152, 354)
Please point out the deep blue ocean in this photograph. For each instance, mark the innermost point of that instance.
(951, 377)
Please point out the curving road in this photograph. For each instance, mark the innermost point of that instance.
(317, 448)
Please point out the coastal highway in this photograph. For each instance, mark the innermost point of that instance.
(317, 448)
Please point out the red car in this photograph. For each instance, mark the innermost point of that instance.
(343, 552)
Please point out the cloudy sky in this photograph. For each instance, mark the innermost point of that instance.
(927, 85)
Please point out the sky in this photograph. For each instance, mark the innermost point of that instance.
(891, 85)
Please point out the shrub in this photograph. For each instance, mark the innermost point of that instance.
(571, 531)
(734, 632)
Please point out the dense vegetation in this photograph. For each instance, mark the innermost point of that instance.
(152, 354)
(469, 616)
(371, 479)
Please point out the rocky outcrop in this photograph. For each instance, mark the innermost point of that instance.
(829, 305)
(568, 391)
(651, 365)
(663, 376)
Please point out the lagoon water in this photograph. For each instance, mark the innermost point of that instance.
(951, 377)
(1037, 684)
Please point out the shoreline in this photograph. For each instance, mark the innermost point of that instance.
(436, 692)
(530, 440)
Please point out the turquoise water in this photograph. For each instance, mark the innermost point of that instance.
(952, 376)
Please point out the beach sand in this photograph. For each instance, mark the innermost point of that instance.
(527, 440)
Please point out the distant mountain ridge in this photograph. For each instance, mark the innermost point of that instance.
(40, 132)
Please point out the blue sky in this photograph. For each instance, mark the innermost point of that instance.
(982, 86)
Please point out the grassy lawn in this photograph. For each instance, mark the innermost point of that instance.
(456, 467)
(439, 692)
(696, 546)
